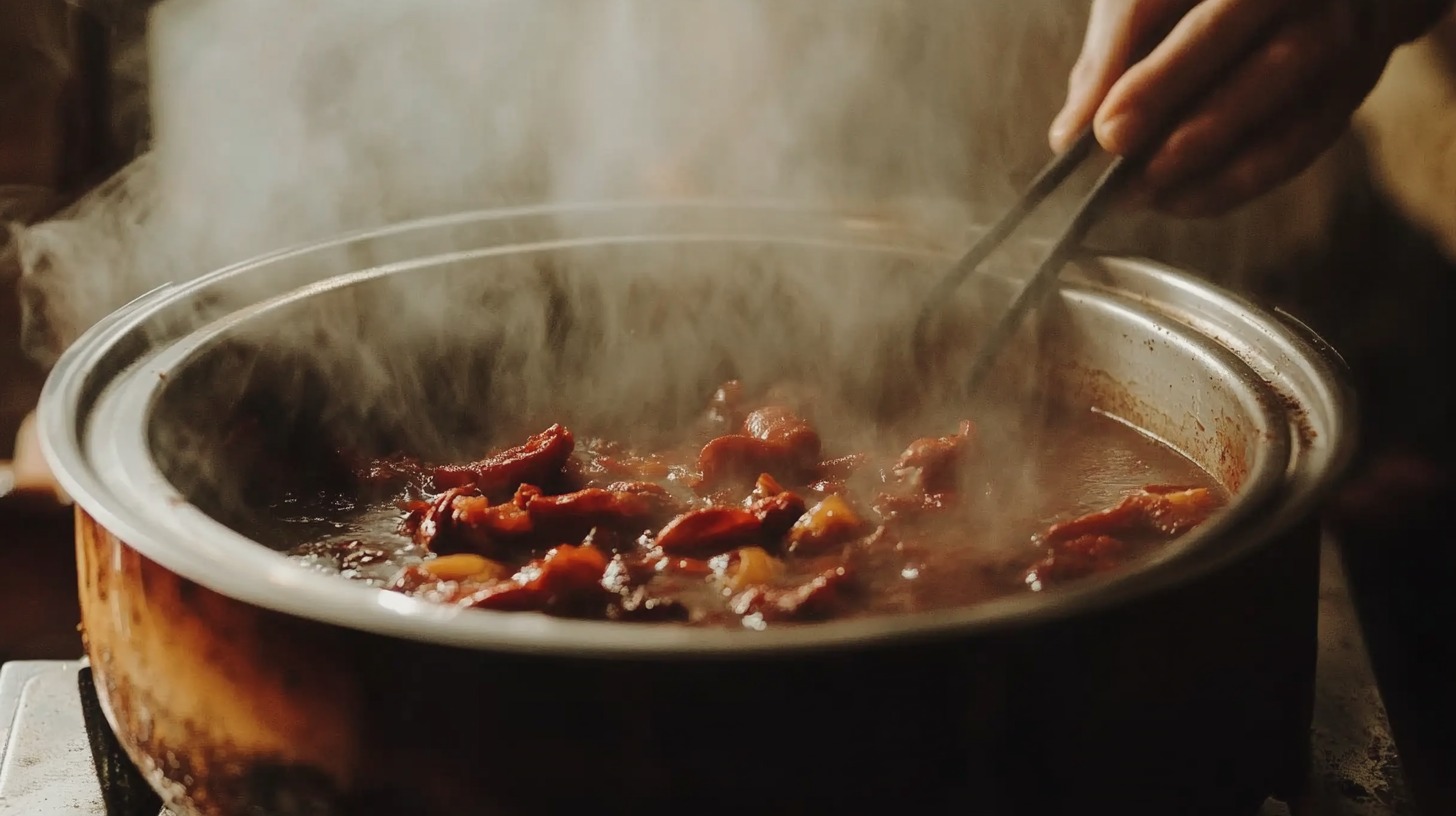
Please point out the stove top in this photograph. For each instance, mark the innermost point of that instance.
(58, 758)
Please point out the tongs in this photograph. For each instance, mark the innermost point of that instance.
(1051, 177)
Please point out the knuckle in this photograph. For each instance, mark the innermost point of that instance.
(1285, 54)
(1252, 175)
(1202, 134)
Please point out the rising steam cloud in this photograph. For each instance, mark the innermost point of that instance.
(278, 122)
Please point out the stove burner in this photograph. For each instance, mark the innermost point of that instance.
(124, 791)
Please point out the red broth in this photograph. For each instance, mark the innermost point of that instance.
(755, 520)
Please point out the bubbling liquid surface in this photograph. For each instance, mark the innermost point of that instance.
(751, 519)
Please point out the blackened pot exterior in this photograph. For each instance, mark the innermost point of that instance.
(1192, 701)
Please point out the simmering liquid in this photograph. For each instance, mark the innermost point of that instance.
(753, 519)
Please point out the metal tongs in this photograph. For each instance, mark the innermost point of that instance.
(1051, 177)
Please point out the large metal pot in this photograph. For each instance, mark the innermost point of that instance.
(242, 683)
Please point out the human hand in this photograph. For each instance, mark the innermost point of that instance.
(1237, 96)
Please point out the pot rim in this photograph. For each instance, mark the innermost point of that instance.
(275, 583)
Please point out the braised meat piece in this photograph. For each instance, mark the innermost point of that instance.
(538, 461)
(1100, 541)
(576, 514)
(710, 531)
(777, 515)
(831, 523)
(819, 598)
(1155, 509)
(1069, 559)
(934, 463)
(772, 440)
(461, 520)
(567, 581)
(779, 425)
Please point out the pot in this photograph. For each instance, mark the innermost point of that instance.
(242, 683)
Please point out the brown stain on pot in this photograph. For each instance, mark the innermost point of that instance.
(185, 669)
(1233, 463)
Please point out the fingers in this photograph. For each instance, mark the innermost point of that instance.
(1282, 152)
(1211, 38)
(1116, 30)
(1257, 91)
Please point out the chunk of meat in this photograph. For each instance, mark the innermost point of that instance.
(460, 520)
(567, 581)
(564, 569)
(822, 597)
(777, 515)
(830, 523)
(935, 462)
(573, 515)
(779, 425)
(773, 440)
(710, 531)
(524, 494)
(538, 461)
(1075, 558)
(737, 460)
(766, 486)
(655, 495)
(1162, 510)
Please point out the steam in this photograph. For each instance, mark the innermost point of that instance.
(278, 123)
